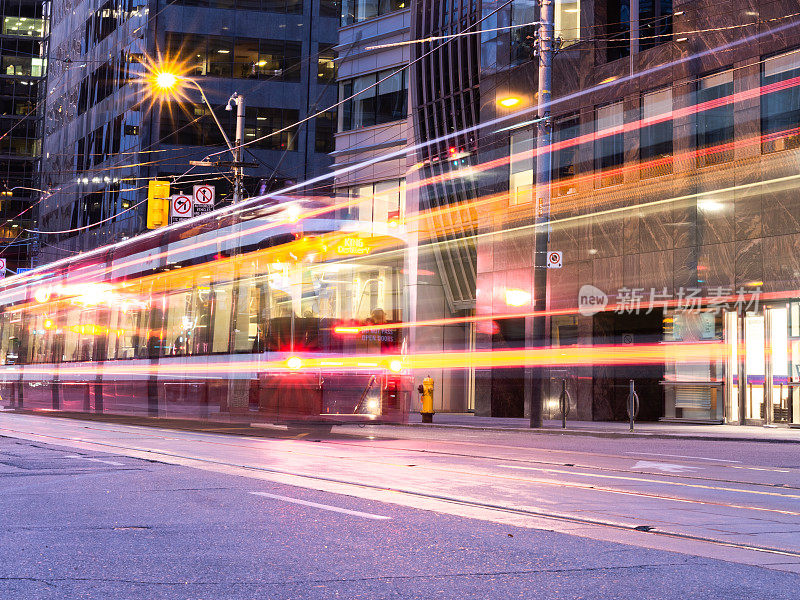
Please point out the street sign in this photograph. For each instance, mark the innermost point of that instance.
(554, 260)
(204, 196)
(2, 268)
(180, 208)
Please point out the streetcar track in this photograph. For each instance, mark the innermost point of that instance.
(449, 499)
(550, 482)
(201, 437)
(148, 433)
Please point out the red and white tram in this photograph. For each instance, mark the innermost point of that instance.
(247, 316)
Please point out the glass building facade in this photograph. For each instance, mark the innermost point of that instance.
(105, 137)
(23, 65)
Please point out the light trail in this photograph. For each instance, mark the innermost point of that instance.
(573, 356)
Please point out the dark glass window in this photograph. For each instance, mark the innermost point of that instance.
(714, 125)
(381, 103)
(655, 22)
(655, 141)
(355, 11)
(565, 155)
(325, 127)
(780, 109)
(618, 29)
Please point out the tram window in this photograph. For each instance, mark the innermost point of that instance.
(178, 325)
(222, 294)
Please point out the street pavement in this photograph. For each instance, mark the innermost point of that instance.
(95, 509)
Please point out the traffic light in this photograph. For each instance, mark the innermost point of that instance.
(157, 204)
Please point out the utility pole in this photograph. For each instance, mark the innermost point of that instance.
(238, 168)
(538, 336)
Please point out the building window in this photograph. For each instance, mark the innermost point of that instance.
(23, 26)
(609, 148)
(376, 104)
(523, 35)
(293, 7)
(654, 21)
(568, 21)
(780, 109)
(655, 140)
(260, 122)
(243, 58)
(326, 66)
(192, 125)
(565, 155)
(715, 124)
(379, 202)
(355, 11)
(324, 129)
(525, 15)
(523, 168)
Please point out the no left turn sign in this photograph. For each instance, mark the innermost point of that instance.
(181, 206)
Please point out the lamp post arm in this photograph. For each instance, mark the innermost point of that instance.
(213, 114)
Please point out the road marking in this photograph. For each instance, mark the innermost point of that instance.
(682, 456)
(665, 467)
(345, 511)
(97, 460)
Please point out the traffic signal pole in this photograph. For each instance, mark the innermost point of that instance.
(538, 335)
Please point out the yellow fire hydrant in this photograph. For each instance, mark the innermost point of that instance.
(426, 389)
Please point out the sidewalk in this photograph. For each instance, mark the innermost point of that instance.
(779, 434)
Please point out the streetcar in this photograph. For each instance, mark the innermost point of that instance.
(278, 313)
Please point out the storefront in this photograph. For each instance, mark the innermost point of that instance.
(760, 347)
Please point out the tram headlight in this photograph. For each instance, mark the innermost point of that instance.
(374, 406)
(42, 295)
(294, 362)
(395, 366)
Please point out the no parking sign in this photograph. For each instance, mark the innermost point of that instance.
(2, 268)
(553, 260)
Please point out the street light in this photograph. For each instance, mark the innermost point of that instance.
(167, 83)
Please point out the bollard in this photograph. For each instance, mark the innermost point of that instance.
(633, 404)
(563, 403)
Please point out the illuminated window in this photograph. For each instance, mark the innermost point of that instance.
(609, 149)
(523, 168)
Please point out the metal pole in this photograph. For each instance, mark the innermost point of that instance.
(564, 404)
(213, 114)
(238, 170)
(633, 403)
(542, 208)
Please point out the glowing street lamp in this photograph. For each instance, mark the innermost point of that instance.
(165, 80)
(509, 102)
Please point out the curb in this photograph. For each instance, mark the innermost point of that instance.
(605, 434)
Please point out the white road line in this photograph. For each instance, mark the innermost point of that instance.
(322, 506)
(682, 456)
(97, 460)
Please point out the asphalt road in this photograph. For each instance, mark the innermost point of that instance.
(107, 510)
